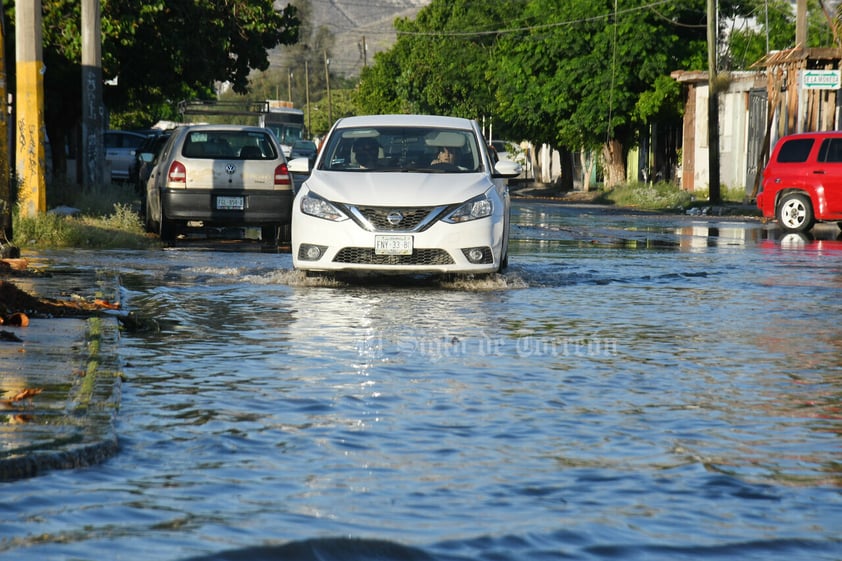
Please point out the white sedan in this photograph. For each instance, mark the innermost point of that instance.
(402, 194)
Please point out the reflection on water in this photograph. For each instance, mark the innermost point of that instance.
(599, 400)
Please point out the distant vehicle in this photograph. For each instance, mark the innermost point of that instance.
(802, 183)
(120, 149)
(505, 149)
(285, 121)
(219, 175)
(144, 155)
(402, 194)
(304, 149)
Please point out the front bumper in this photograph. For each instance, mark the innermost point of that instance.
(442, 248)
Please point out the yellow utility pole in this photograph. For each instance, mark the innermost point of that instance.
(30, 137)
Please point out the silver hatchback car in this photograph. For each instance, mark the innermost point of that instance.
(220, 175)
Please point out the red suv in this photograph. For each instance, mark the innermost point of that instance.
(802, 183)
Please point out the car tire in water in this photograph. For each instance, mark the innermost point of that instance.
(795, 213)
(269, 234)
(285, 234)
(166, 229)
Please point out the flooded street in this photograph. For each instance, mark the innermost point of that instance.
(634, 387)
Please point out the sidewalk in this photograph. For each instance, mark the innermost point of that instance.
(70, 421)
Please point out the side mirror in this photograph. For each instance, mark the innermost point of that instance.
(299, 165)
(507, 169)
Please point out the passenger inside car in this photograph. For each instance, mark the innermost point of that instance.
(366, 152)
(445, 159)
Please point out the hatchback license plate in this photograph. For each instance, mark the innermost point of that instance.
(229, 203)
(393, 245)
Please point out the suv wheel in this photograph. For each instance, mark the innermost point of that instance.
(795, 213)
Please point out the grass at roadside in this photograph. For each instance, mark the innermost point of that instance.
(663, 196)
(105, 217)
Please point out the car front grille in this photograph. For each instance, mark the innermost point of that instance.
(366, 256)
(392, 219)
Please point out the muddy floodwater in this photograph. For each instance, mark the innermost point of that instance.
(634, 387)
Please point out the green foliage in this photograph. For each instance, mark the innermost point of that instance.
(661, 103)
(106, 218)
(726, 193)
(160, 51)
(443, 62)
(747, 42)
(657, 196)
(340, 104)
(121, 229)
(588, 77)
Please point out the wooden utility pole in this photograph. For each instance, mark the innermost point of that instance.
(801, 24)
(6, 201)
(93, 111)
(714, 195)
(30, 156)
(327, 82)
(307, 97)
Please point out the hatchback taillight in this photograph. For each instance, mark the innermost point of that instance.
(177, 173)
(282, 175)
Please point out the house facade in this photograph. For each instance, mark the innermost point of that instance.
(756, 108)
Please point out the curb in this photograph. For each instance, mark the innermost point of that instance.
(70, 423)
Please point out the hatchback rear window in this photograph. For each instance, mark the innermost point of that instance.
(795, 151)
(239, 145)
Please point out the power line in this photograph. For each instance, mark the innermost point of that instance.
(537, 27)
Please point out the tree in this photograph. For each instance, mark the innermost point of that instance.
(773, 19)
(300, 68)
(157, 52)
(587, 76)
(443, 61)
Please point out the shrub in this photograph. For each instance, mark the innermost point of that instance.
(102, 217)
(657, 196)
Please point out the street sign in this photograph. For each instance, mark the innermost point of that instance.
(821, 79)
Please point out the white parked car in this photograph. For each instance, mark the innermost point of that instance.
(219, 175)
(402, 194)
(120, 149)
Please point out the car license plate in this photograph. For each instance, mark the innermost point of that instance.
(229, 203)
(393, 245)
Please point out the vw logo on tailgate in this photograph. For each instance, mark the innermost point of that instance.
(230, 169)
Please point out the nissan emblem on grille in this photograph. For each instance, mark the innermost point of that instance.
(394, 218)
(230, 169)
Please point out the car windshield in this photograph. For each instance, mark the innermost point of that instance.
(304, 146)
(406, 149)
(229, 144)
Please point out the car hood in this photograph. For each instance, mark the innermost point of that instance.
(397, 188)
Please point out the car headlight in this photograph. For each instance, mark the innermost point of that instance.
(478, 207)
(320, 208)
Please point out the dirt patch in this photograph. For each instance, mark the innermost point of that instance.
(14, 300)
(16, 304)
(548, 192)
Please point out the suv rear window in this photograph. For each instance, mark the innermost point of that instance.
(831, 150)
(242, 145)
(795, 151)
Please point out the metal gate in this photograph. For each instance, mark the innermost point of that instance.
(757, 115)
